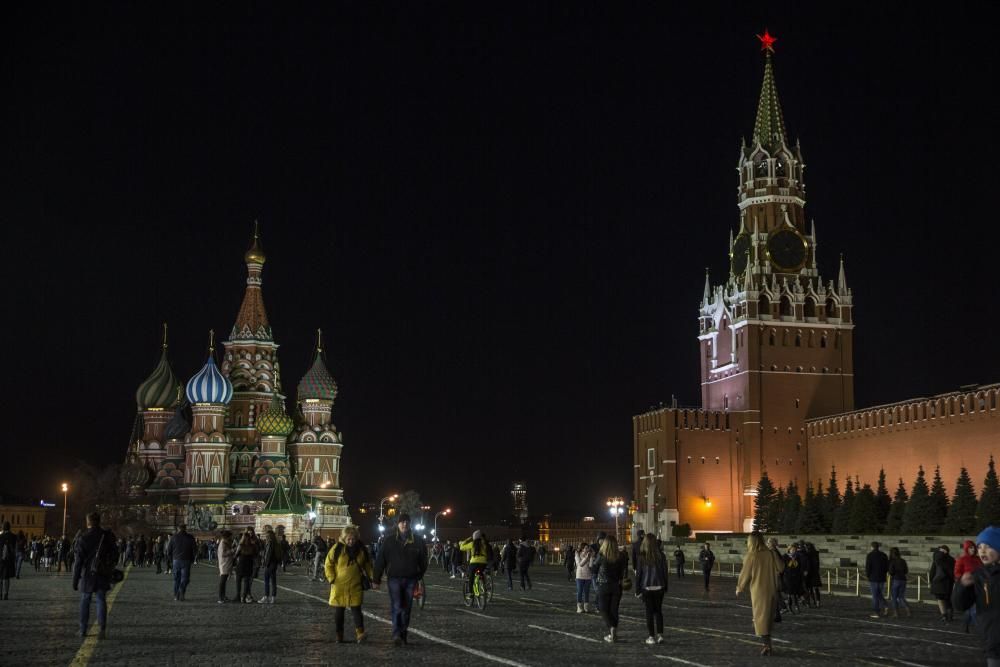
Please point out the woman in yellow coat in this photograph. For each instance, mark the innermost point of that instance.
(760, 567)
(345, 562)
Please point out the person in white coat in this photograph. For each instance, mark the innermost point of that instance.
(584, 576)
(227, 559)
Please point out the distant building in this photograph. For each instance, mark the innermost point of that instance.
(519, 494)
(29, 519)
(562, 533)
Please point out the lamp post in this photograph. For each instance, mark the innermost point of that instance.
(616, 506)
(65, 490)
(435, 531)
(381, 510)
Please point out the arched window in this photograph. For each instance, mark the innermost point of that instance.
(822, 341)
(798, 339)
(831, 308)
(764, 305)
(786, 307)
(810, 308)
(770, 337)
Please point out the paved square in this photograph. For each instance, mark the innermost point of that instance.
(538, 627)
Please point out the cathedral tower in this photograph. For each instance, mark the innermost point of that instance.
(206, 449)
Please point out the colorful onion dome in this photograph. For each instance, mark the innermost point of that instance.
(178, 426)
(209, 385)
(255, 255)
(159, 390)
(274, 421)
(317, 383)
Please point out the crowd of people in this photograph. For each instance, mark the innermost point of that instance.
(778, 579)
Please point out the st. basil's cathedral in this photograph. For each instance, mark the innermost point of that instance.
(223, 451)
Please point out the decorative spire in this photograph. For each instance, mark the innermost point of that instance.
(708, 289)
(296, 503)
(251, 321)
(769, 130)
(211, 341)
(278, 502)
(842, 277)
(319, 341)
(747, 279)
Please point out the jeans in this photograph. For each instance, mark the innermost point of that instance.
(182, 575)
(897, 593)
(522, 567)
(338, 619)
(654, 610)
(708, 575)
(271, 580)
(400, 601)
(17, 567)
(243, 587)
(223, 578)
(583, 590)
(510, 577)
(680, 569)
(608, 599)
(877, 589)
(102, 609)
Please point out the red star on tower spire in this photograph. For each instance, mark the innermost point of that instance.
(767, 41)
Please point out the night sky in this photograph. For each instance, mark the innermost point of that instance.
(500, 215)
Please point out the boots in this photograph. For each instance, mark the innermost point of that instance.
(579, 607)
(612, 637)
(766, 650)
(360, 635)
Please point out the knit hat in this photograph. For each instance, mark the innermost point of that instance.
(476, 534)
(990, 536)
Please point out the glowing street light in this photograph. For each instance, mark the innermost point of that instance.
(65, 490)
(445, 512)
(616, 506)
(381, 509)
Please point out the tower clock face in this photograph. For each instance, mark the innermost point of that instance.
(741, 254)
(787, 250)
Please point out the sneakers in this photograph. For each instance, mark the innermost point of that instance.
(586, 607)
(579, 607)
(659, 639)
(609, 639)
(263, 600)
(222, 602)
(650, 641)
(873, 616)
(360, 635)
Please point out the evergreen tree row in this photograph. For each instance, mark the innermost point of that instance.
(925, 510)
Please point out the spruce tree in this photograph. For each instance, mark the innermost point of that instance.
(810, 521)
(939, 503)
(790, 512)
(864, 513)
(882, 501)
(763, 505)
(917, 520)
(831, 501)
(962, 512)
(842, 516)
(774, 512)
(988, 511)
(894, 521)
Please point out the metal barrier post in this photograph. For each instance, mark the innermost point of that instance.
(838, 576)
(857, 583)
(919, 581)
(734, 569)
(828, 582)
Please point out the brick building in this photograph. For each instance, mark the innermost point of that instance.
(777, 371)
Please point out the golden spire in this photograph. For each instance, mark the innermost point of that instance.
(319, 340)
(255, 255)
(211, 341)
(164, 335)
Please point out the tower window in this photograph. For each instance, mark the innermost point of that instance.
(716, 460)
(822, 341)
(796, 402)
(703, 460)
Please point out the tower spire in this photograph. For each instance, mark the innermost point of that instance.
(842, 277)
(251, 321)
(164, 335)
(708, 288)
(769, 129)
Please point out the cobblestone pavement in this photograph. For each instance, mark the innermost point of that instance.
(537, 627)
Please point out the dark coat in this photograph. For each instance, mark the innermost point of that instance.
(898, 569)
(8, 565)
(401, 556)
(984, 593)
(942, 574)
(608, 576)
(813, 577)
(876, 566)
(652, 574)
(707, 559)
(86, 552)
(181, 547)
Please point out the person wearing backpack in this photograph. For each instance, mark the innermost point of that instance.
(96, 556)
(8, 561)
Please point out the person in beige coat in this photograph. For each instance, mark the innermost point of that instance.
(760, 567)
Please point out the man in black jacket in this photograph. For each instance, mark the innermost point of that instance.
(181, 553)
(96, 554)
(707, 559)
(876, 569)
(403, 558)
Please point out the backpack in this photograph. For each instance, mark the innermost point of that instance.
(104, 561)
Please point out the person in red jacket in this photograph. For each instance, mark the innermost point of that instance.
(969, 561)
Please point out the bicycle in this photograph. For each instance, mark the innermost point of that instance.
(479, 589)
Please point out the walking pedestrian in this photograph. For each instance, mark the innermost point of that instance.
(679, 559)
(779, 599)
(707, 559)
(584, 561)
(876, 569)
(319, 557)
(569, 561)
(969, 561)
(898, 571)
(640, 536)
(980, 590)
(227, 559)
(20, 553)
(508, 557)
(270, 560)
(180, 553)
(246, 555)
(403, 558)
(8, 559)
(96, 553)
(813, 580)
(610, 569)
(942, 578)
(761, 567)
(525, 556)
(347, 566)
(651, 585)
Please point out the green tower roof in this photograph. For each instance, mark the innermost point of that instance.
(769, 130)
(295, 499)
(278, 502)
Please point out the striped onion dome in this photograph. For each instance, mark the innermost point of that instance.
(209, 385)
(274, 421)
(159, 390)
(317, 383)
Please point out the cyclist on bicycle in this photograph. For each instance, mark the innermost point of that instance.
(480, 554)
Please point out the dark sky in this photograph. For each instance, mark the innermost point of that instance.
(499, 213)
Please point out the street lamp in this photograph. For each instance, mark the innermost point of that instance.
(617, 507)
(381, 509)
(435, 531)
(65, 490)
